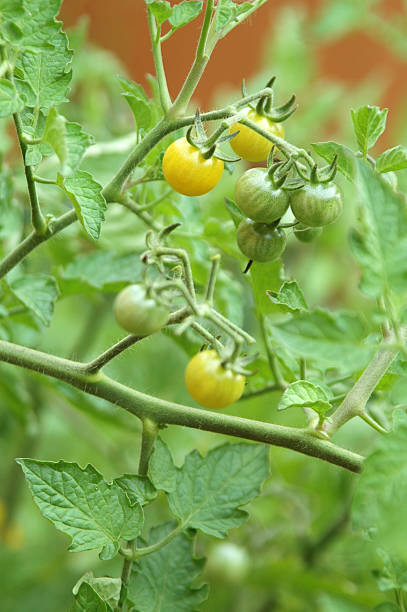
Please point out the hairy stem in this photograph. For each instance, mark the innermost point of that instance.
(97, 364)
(158, 62)
(33, 240)
(163, 412)
(356, 399)
(149, 434)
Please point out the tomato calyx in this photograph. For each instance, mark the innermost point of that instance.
(209, 146)
(264, 106)
(318, 175)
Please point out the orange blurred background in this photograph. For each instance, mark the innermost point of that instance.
(121, 26)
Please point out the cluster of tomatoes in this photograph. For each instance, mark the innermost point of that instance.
(263, 196)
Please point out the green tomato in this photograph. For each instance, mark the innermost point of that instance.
(303, 233)
(257, 197)
(259, 241)
(317, 204)
(137, 313)
(228, 561)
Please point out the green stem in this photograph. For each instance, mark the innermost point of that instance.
(210, 288)
(273, 363)
(44, 181)
(206, 335)
(33, 240)
(164, 412)
(114, 187)
(268, 389)
(97, 364)
(165, 98)
(197, 68)
(356, 399)
(149, 434)
(142, 214)
(183, 256)
(38, 222)
(142, 552)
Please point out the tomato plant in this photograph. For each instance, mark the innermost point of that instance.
(212, 384)
(300, 357)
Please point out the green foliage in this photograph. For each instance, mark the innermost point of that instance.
(210, 490)
(369, 122)
(289, 295)
(303, 394)
(86, 196)
(83, 505)
(162, 581)
(379, 243)
(381, 490)
(298, 554)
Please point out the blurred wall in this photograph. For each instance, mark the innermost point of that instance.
(121, 26)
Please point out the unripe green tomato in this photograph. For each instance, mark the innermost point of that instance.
(317, 204)
(259, 241)
(228, 561)
(137, 313)
(391, 178)
(303, 233)
(257, 197)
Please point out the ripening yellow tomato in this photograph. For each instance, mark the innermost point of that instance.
(250, 145)
(210, 384)
(187, 171)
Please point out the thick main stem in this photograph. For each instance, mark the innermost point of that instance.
(163, 412)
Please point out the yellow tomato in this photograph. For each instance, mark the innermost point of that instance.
(187, 171)
(250, 145)
(210, 384)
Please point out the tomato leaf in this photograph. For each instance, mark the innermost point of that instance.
(138, 489)
(104, 270)
(67, 139)
(235, 213)
(82, 504)
(88, 600)
(345, 157)
(162, 470)
(184, 12)
(382, 489)
(210, 490)
(392, 159)
(10, 101)
(227, 11)
(86, 196)
(161, 9)
(161, 581)
(393, 575)
(369, 122)
(303, 394)
(108, 589)
(289, 295)
(335, 339)
(39, 293)
(380, 241)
